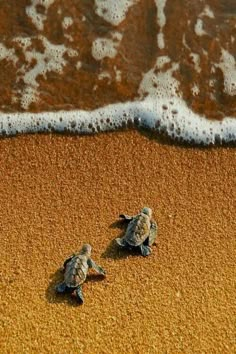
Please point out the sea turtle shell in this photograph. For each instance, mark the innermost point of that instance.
(76, 271)
(138, 230)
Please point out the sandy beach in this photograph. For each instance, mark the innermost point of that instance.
(58, 192)
(95, 66)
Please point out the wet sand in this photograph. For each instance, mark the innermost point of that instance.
(58, 192)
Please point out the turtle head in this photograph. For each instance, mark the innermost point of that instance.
(147, 211)
(86, 250)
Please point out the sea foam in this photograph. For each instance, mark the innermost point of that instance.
(172, 118)
(160, 103)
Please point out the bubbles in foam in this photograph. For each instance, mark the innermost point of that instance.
(78, 65)
(36, 17)
(29, 96)
(72, 52)
(161, 21)
(106, 47)
(8, 54)
(160, 40)
(207, 12)
(199, 28)
(112, 11)
(195, 89)
(51, 59)
(161, 61)
(228, 67)
(118, 74)
(159, 107)
(67, 22)
(160, 84)
(196, 60)
(104, 75)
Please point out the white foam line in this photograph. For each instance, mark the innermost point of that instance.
(159, 116)
(185, 125)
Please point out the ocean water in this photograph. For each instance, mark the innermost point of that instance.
(90, 66)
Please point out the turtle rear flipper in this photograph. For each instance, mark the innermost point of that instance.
(61, 288)
(145, 250)
(121, 242)
(79, 294)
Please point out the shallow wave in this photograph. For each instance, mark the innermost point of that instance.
(91, 66)
(162, 117)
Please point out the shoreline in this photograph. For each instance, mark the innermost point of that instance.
(170, 116)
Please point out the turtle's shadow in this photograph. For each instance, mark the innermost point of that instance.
(66, 298)
(114, 251)
(119, 224)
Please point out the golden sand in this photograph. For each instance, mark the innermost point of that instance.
(58, 192)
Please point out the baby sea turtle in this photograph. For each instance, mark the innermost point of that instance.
(75, 272)
(141, 231)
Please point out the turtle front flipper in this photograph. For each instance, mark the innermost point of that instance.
(79, 294)
(145, 250)
(126, 217)
(153, 233)
(61, 288)
(96, 267)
